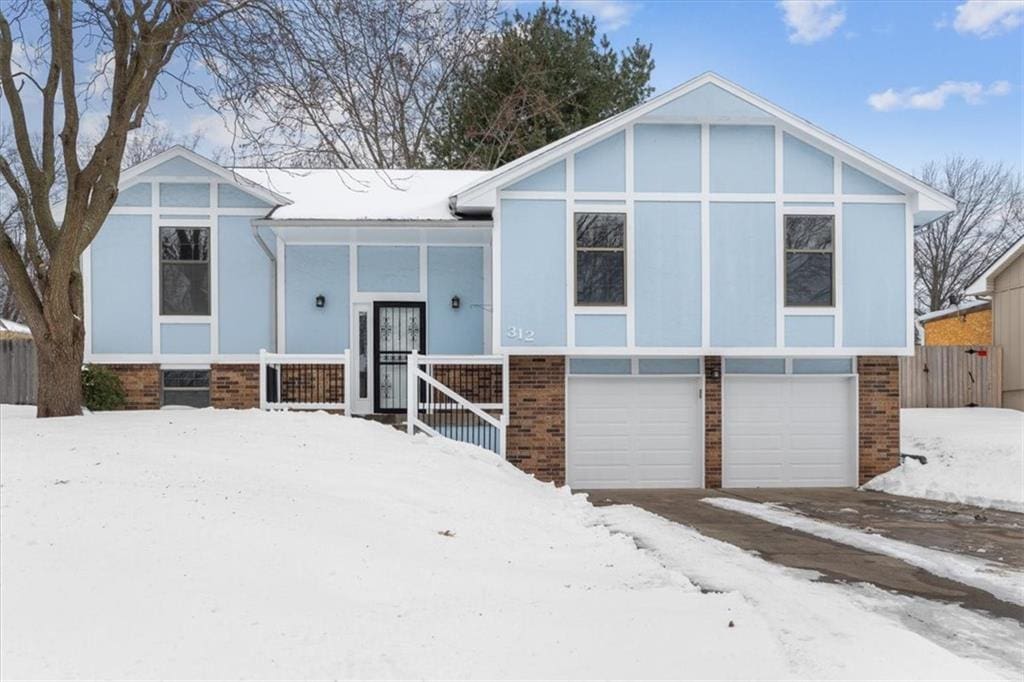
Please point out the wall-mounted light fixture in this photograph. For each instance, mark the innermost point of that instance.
(715, 373)
(321, 300)
(456, 302)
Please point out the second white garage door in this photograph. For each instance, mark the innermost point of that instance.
(788, 431)
(634, 432)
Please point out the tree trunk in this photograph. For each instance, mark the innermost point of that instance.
(59, 367)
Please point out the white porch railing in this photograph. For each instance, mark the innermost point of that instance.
(305, 382)
(459, 397)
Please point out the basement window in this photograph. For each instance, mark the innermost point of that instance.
(184, 271)
(601, 259)
(187, 387)
(810, 255)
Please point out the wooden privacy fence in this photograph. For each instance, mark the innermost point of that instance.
(952, 376)
(17, 371)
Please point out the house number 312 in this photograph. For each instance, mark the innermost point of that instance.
(520, 334)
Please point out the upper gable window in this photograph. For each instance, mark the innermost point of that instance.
(601, 259)
(810, 255)
(184, 271)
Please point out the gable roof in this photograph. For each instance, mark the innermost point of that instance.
(329, 194)
(479, 195)
(985, 283)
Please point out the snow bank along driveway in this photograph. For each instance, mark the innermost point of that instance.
(975, 456)
(215, 544)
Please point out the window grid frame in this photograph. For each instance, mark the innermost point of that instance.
(606, 249)
(831, 251)
(208, 262)
(164, 388)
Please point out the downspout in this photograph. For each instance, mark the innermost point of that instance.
(272, 257)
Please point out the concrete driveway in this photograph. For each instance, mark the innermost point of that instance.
(993, 535)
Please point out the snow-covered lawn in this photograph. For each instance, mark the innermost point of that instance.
(217, 544)
(975, 456)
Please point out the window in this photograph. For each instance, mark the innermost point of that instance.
(600, 259)
(809, 260)
(184, 271)
(190, 387)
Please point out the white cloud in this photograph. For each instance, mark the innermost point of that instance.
(972, 92)
(215, 129)
(610, 14)
(987, 18)
(811, 20)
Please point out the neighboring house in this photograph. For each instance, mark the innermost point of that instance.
(9, 329)
(1003, 284)
(703, 290)
(966, 324)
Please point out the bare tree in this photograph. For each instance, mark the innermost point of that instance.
(952, 252)
(133, 42)
(354, 83)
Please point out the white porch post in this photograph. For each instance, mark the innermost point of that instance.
(263, 379)
(412, 398)
(347, 383)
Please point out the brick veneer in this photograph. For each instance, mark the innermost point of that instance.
(879, 413)
(141, 385)
(712, 421)
(313, 383)
(536, 430)
(235, 386)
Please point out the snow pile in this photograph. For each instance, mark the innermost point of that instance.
(975, 456)
(999, 581)
(217, 544)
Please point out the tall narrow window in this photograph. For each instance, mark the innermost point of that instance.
(363, 359)
(810, 254)
(184, 271)
(600, 259)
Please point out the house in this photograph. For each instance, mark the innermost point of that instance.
(704, 290)
(968, 323)
(1003, 284)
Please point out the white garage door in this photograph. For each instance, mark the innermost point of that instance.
(634, 432)
(788, 431)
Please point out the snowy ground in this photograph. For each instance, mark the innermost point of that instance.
(975, 456)
(215, 544)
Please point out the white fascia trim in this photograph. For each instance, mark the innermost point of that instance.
(365, 222)
(981, 286)
(131, 176)
(177, 359)
(470, 197)
(765, 352)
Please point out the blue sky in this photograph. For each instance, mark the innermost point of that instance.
(829, 58)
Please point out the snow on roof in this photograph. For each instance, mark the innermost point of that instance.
(12, 326)
(362, 194)
(963, 307)
(984, 282)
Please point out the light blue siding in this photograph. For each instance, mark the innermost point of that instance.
(809, 331)
(309, 271)
(822, 365)
(874, 275)
(742, 274)
(666, 158)
(550, 179)
(601, 167)
(533, 272)
(709, 101)
(176, 218)
(184, 194)
(245, 283)
(229, 196)
(823, 204)
(755, 365)
(122, 286)
(742, 159)
(455, 271)
(600, 330)
(669, 366)
(184, 339)
(388, 268)
(805, 169)
(668, 278)
(855, 182)
(178, 167)
(136, 195)
(600, 366)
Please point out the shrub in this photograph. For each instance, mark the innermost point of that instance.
(101, 389)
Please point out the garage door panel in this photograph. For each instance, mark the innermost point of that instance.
(788, 431)
(635, 432)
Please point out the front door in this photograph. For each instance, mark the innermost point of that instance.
(399, 329)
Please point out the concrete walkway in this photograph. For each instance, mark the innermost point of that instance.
(939, 525)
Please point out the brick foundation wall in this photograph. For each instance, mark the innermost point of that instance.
(712, 421)
(313, 383)
(879, 413)
(235, 386)
(141, 385)
(536, 431)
